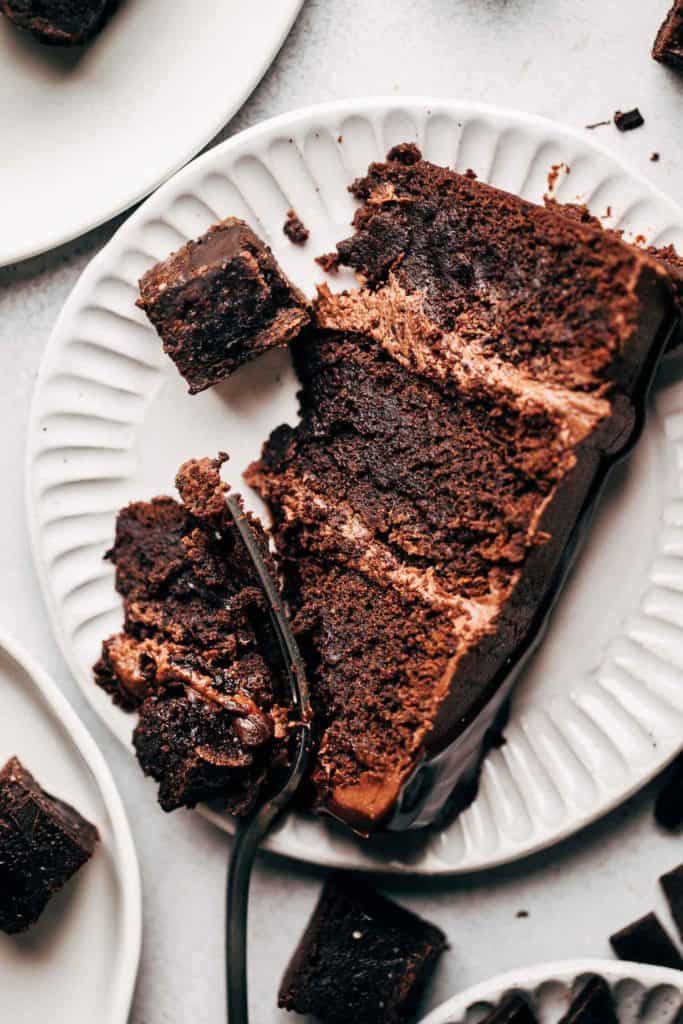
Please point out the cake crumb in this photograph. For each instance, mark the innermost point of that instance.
(329, 261)
(655, 158)
(597, 124)
(522, 913)
(627, 121)
(554, 173)
(295, 229)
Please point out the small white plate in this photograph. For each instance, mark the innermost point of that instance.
(600, 710)
(648, 995)
(82, 957)
(86, 132)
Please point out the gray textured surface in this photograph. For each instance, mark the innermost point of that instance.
(577, 61)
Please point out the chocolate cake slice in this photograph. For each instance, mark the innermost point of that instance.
(219, 302)
(198, 656)
(59, 22)
(43, 843)
(362, 958)
(668, 48)
(459, 412)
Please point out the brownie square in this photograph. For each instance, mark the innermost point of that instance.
(43, 842)
(362, 958)
(219, 302)
(668, 48)
(514, 1008)
(646, 942)
(592, 1004)
(59, 22)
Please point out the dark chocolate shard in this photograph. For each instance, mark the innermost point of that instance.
(592, 1004)
(672, 884)
(669, 803)
(646, 942)
(627, 120)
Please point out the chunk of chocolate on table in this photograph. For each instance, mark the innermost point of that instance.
(646, 942)
(672, 884)
(220, 301)
(514, 1008)
(628, 120)
(198, 655)
(59, 22)
(43, 843)
(593, 1003)
(669, 802)
(668, 48)
(362, 958)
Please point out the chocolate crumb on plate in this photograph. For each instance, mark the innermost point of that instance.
(597, 124)
(593, 1003)
(362, 958)
(669, 802)
(220, 301)
(627, 120)
(655, 158)
(668, 48)
(672, 884)
(43, 843)
(329, 261)
(295, 229)
(646, 942)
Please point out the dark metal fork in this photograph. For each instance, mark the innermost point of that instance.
(250, 831)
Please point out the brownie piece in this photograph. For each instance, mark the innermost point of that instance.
(43, 842)
(362, 958)
(295, 229)
(672, 884)
(198, 656)
(459, 411)
(219, 302)
(669, 802)
(646, 942)
(59, 22)
(514, 1008)
(668, 48)
(592, 1004)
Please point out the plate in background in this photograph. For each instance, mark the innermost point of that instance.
(83, 954)
(88, 131)
(600, 709)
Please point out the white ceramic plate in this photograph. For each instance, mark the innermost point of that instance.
(89, 131)
(648, 995)
(83, 954)
(600, 711)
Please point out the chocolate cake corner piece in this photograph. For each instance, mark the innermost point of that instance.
(362, 958)
(668, 47)
(43, 843)
(647, 942)
(514, 1008)
(593, 1003)
(219, 302)
(672, 885)
(59, 22)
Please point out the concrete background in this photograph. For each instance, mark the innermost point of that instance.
(574, 60)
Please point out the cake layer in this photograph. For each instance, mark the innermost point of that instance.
(458, 415)
(198, 657)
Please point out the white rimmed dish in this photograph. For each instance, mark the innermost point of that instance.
(650, 995)
(120, 115)
(599, 711)
(83, 954)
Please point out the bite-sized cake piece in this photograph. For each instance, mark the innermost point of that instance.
(198, 655)
(219, 302)
(672, 884)
(669, 802)
(59, 22)
(647, 942)
(668, 48)
(43, 842)
(592, 1004)
(458, 414)
(514, 1008)
(362, 958)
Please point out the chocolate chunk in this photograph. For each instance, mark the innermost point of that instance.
(668, 48)
(43, 843)
(628, 120)
(295, 230)
(362, 958)
(219, 302)
(672, 884)
(646, 942)
(669, 802)
(592, 1004)
(59, 22)
(514, 1008)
